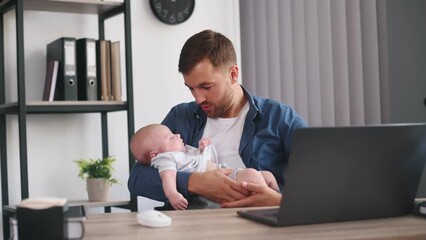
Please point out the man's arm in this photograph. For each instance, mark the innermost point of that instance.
(214, 185)
(146, 182)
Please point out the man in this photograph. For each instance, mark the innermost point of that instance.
(248, 131)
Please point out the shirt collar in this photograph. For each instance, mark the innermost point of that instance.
(254, 109)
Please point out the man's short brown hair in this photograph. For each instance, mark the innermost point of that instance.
(206, 44)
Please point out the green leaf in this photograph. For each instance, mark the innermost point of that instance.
(97, 168)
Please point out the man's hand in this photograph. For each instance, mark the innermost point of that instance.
(215, 185)
(261, 195)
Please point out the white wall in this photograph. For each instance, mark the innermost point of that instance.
(54, 141)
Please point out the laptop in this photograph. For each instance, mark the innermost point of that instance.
(349, 173)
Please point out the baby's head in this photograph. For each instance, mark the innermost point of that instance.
(153, 139)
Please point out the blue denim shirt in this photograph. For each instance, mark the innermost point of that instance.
(265, 142)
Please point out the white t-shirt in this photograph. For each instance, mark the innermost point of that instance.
(226, 136)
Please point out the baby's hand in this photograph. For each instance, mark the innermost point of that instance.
(203, 143)
(178, 202)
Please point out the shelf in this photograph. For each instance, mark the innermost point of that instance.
(70, 6)
(87, 204)
(40, 107)
(104, 9)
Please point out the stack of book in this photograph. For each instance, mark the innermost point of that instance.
(82, 69)
(73, 218)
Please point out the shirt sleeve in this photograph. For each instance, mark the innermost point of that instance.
(164, 161)
(292, 122)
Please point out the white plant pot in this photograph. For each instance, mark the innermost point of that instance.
(98, 189)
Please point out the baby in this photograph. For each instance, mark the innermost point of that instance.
(155, 145)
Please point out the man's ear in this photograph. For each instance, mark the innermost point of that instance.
(233, 74)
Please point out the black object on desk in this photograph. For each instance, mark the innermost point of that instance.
(43, 224)
(73, 219)
(350, 173)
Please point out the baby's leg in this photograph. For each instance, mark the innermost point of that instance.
(270, 180)
(250, 175)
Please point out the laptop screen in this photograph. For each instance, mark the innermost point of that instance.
(352, 173)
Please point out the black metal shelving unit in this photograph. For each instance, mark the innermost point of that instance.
(104, 10)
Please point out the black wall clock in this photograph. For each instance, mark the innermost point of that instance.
(172, 11)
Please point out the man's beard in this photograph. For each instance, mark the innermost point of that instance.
(220, 109)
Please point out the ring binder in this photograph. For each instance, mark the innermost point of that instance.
(64, 51)
(86, 69)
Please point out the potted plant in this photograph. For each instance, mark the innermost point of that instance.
(98, 176)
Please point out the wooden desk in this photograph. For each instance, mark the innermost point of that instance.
(225, 224)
